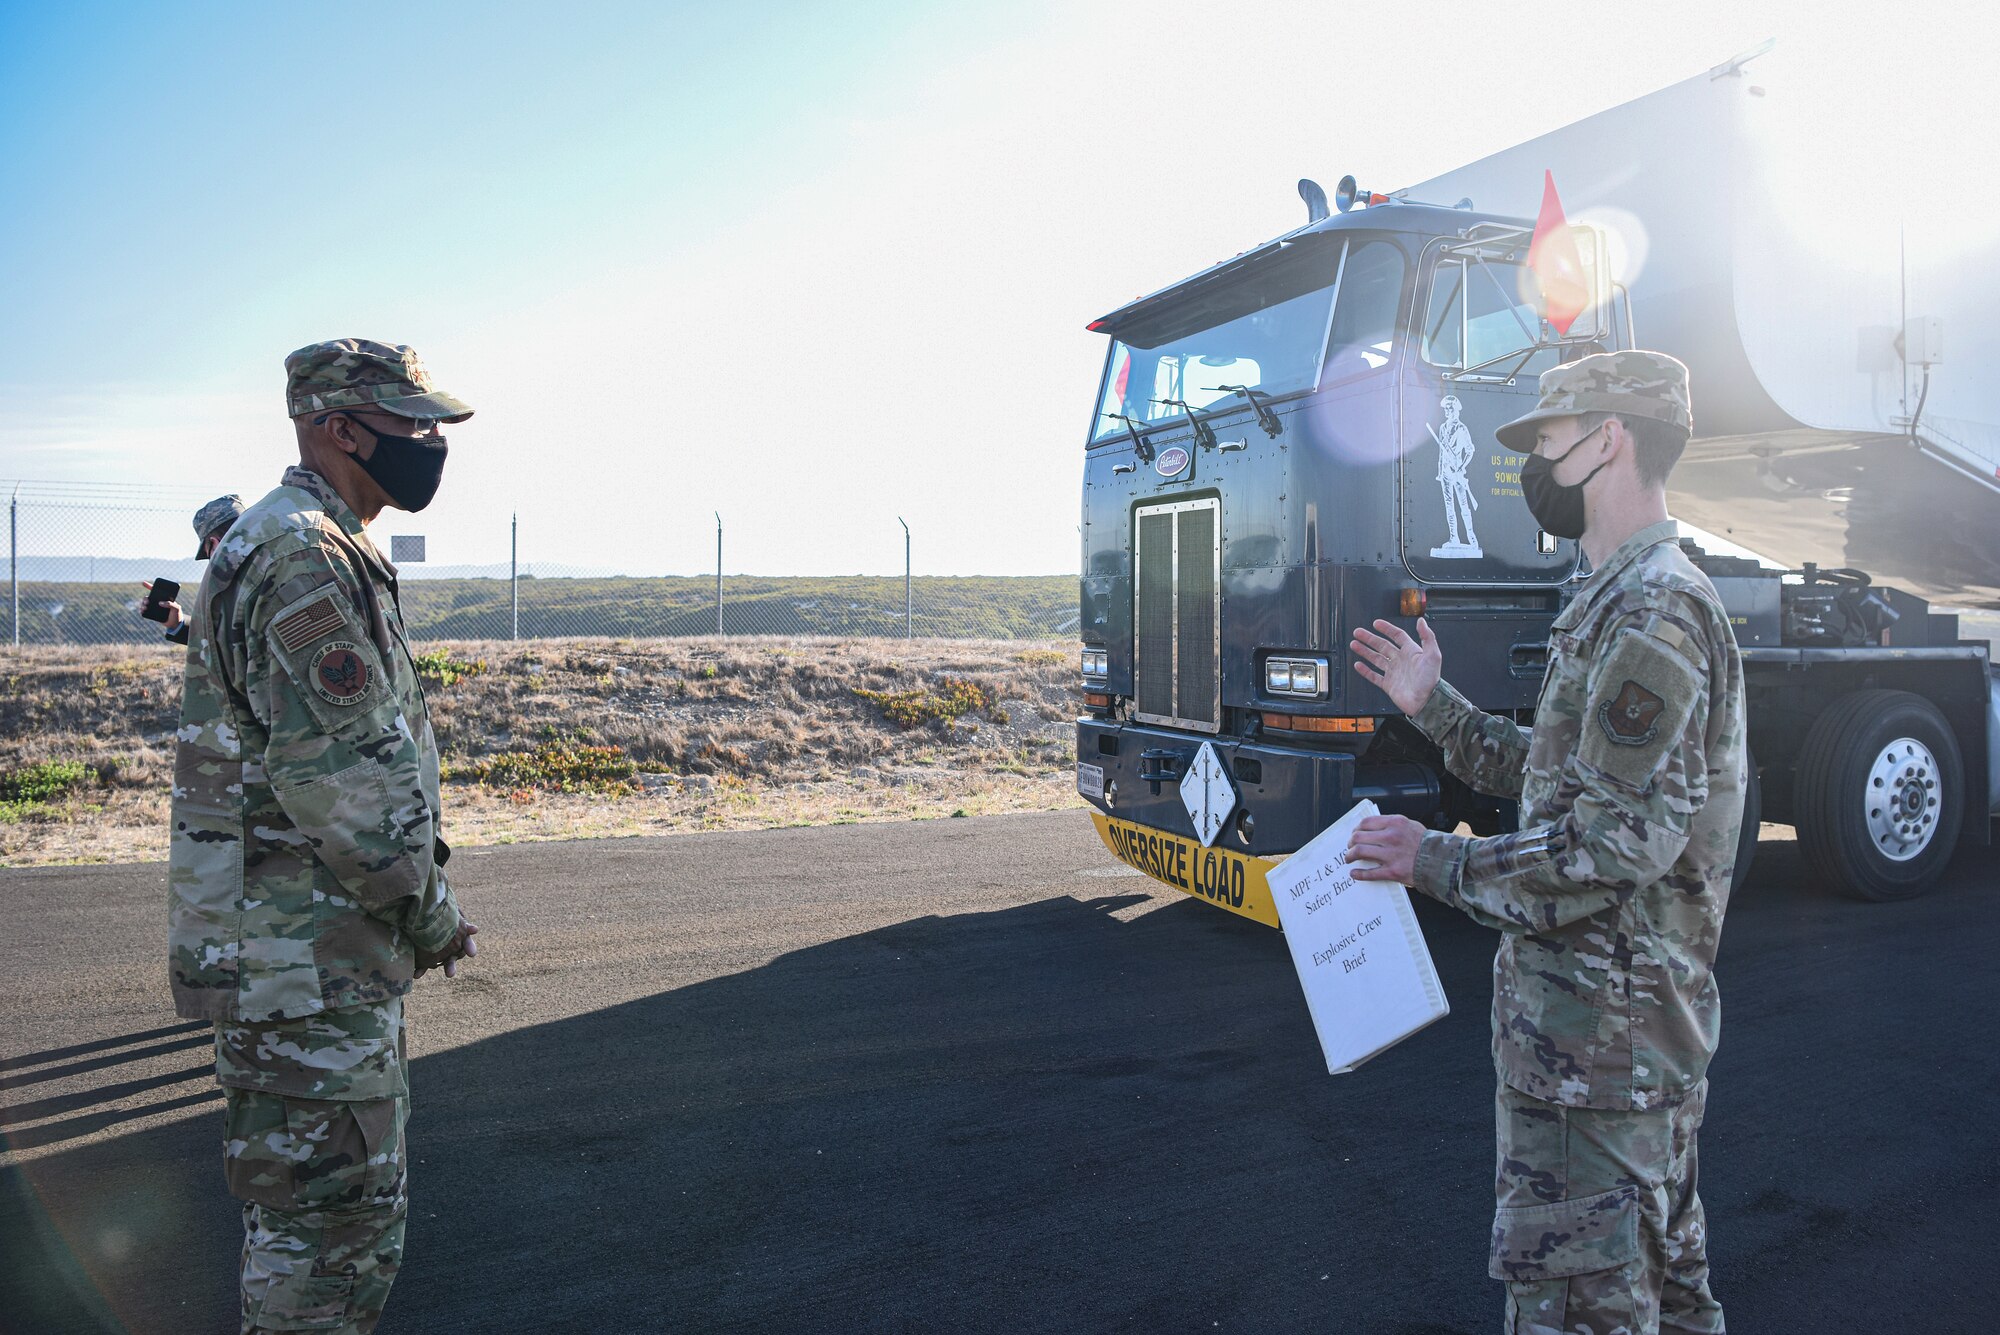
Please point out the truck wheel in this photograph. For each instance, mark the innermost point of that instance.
(1753, 816)
(1880, 794)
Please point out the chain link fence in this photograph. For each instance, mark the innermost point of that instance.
(79, 555)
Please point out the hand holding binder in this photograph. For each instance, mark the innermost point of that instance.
(1367, 974)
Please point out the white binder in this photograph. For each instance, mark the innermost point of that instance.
(1368, 977)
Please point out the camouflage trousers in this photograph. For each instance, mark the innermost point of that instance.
(321, 1183)
(1599, 1230)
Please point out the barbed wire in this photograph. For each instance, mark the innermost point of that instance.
(125, 496)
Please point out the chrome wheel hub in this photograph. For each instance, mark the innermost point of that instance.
(1903, 799)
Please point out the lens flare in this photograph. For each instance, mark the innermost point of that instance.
(1626, 242)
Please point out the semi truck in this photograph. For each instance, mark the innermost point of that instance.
(1299, 440)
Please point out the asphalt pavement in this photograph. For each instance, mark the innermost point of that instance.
(971, 1075)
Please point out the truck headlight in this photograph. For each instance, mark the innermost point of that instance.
(1299, 677)
(1096, 663)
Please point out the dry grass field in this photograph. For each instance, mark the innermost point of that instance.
(577, 738)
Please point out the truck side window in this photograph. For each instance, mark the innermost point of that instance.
(1444, 321)
(1479, 313)
(1364, 317)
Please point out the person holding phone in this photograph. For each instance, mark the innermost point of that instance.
(210, 523)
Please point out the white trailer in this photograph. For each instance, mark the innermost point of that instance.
(1843, 333)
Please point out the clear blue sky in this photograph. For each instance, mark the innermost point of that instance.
(192, 174)
(811, 265)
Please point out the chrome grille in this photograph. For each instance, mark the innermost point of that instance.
(1194, 609)
(1177, 616)
(1155, 621)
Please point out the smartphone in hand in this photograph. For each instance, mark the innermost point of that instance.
(163, 592)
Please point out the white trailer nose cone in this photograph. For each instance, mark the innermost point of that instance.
(1207, 793)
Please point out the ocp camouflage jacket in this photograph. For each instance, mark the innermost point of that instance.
(1611, 894)
(305, 807)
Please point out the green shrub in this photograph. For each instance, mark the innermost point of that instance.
(564, 766)
(947, 699)
(26, 793)
(41, 781)
(439, 667)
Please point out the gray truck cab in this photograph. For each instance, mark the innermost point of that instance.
(1299, 440)
(1291, 443)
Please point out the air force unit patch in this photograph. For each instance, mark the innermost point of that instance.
(1633, 718)
(340, 673)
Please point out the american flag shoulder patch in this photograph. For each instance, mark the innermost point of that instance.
(315, 621)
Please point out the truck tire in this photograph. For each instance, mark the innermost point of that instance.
(1753, 816)
(1880, 794)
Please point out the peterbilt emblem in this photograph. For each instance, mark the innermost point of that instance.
(1171, 462)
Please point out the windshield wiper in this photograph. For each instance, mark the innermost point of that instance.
(1265, 417)
(1204, 435)
(1139, 445)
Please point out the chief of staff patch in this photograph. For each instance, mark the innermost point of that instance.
(1630, 720)
(339, 673)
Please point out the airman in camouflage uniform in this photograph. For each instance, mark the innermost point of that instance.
(307, 885)
(210, 523)
(1610, 896)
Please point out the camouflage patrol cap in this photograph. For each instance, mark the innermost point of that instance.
(361, 373)
(1633, 383)
(213, 520)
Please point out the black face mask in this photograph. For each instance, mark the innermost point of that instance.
(1556, 507)
(406, 468)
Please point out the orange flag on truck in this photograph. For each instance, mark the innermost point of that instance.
(1557, 264)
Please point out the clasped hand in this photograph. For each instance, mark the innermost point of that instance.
(460, 947)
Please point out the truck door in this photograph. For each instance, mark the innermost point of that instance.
(1474, 365)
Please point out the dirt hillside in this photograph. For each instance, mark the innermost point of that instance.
(573, 738)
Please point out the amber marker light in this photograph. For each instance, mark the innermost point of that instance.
(1306, 723)
(1413, 602)
(1096, 701)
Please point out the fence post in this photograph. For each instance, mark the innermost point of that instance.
(14, 558)
(514, 574)
(908, 633)
(718, 572)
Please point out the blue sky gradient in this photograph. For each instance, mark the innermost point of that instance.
(814, 266)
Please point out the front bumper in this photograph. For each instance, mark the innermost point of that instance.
(1228, 880)
(1289, 792)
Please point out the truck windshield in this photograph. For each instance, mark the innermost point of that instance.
(1265, 332)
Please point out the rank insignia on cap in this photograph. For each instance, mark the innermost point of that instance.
(340, 673)
(414, 372)
(1631, 719)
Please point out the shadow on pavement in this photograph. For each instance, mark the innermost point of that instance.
(189, 1033)
(1051, 1118)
